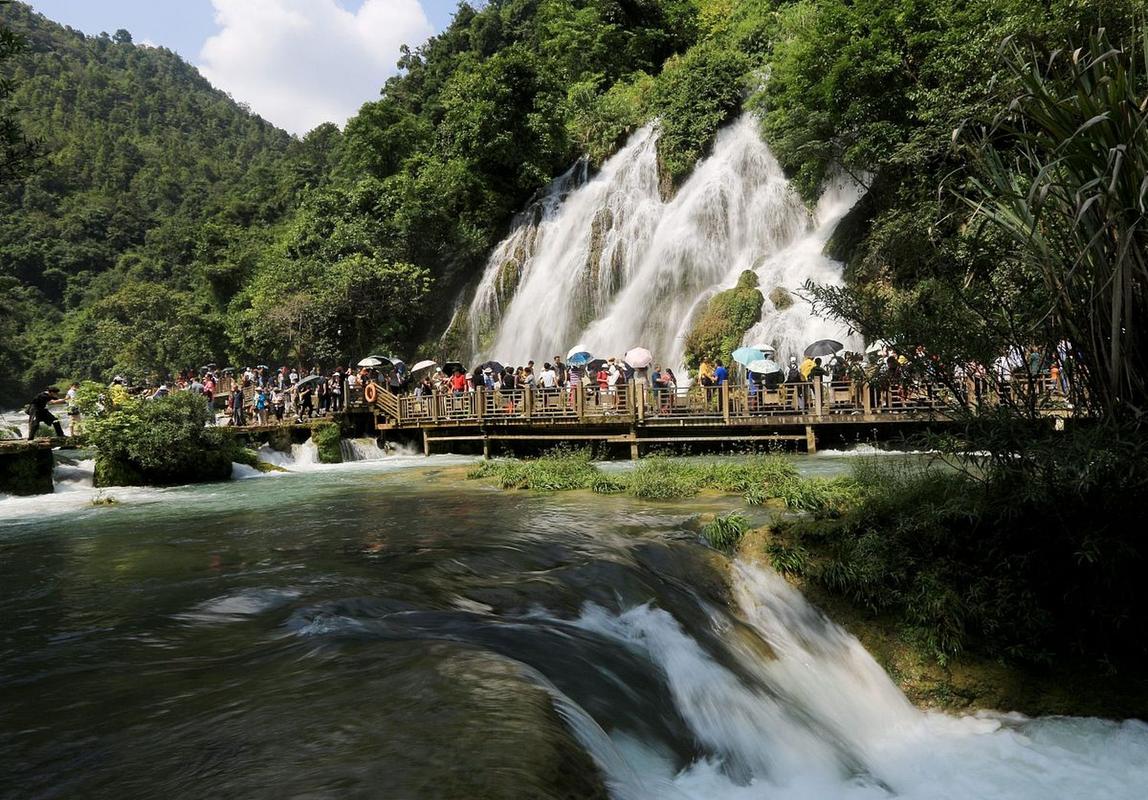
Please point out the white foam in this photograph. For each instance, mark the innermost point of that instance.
(822, 720)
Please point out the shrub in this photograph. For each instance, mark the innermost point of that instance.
(1009, 557)
(328, 439)
(160, 442)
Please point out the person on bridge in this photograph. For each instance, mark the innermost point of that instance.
(38, 411)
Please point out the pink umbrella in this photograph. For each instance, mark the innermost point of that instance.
(639, 357)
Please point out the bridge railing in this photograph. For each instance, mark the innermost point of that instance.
(640, 402)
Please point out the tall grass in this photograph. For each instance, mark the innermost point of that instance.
(725, 531)
(654, 478)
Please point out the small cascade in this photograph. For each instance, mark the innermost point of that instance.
(305, 455)
(73, 476)
(362, 449)
(611, 264)
(302, 456)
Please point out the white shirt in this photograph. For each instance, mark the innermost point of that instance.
(549, 378)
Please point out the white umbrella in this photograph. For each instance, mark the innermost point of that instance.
(639, 357)
(764, 366)
(576, 349)
(765, 348)
(424, 364)
(371, 361)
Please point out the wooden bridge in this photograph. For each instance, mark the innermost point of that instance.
(637, 415)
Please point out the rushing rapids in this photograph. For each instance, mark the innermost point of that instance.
(607, 262)
(369, 629)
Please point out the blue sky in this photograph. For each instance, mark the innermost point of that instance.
(296, 62)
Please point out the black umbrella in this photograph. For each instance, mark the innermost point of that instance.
(493, 366)
(596, 365)
(449, 367)
(823, 347)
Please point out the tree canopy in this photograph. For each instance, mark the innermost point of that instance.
(166, 224)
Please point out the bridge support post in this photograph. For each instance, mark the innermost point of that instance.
(426, 443)
(486, 447)
(810, 440)
(633, 444)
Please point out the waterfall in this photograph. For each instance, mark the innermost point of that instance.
(608, 263)
(820, 718)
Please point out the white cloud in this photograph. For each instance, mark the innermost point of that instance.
(299, 63)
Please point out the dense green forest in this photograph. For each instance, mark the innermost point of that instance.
(164, 224)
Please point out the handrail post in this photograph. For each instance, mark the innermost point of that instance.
(725, 402)
(818, 387)
(639, 400)
(867, 397)
(528, 403)
(479, 401)
(580, 401)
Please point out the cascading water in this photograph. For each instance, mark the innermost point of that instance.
(362, 449)
(613, 266)
(821, 719)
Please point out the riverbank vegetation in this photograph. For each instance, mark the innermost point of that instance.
(1033, 551)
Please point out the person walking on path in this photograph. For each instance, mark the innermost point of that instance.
(72, 399)
(38, 411)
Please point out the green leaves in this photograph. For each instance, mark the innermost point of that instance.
(1062, 175)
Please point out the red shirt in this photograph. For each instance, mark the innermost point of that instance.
(458, 383)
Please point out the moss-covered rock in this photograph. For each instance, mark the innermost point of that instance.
(328, 439)
(718, 330)
(781, 298)
(209, 466)
(250, 458)
(26, 471)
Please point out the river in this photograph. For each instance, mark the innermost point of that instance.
(383, 629)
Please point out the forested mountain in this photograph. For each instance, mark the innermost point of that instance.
(165, 224)
(154, 192)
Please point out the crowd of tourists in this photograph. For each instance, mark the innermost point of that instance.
(262, 395)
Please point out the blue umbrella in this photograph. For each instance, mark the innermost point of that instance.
(747, 355)
(579, 356)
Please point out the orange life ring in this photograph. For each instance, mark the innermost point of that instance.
(370, 392)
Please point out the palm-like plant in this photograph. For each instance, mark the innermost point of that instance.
(1063, 172)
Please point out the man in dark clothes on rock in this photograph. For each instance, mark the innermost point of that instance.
(38, 411)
